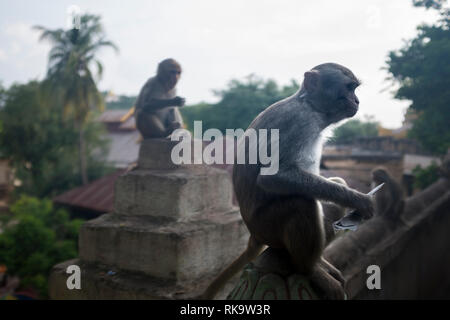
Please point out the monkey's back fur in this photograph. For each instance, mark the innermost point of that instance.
(252, 199)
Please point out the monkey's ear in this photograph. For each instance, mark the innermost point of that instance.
(311, 80)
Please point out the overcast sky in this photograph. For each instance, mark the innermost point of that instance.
(216, 41)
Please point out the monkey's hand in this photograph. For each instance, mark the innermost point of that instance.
(365, 206)
(174, 126)
(179, 101)
(366, 209)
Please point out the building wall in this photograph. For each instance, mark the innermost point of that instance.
(360, 168)
(6, 178)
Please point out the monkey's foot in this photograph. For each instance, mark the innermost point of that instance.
(326, 285)
(172, 127)
(332, 271)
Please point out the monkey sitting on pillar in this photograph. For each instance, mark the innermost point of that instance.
(157, 115)
(389, 201)
(283, 210)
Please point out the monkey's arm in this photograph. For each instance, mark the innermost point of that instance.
(157, 104)
(293, 180)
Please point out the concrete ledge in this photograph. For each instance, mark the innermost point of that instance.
(96, 284)
(173, 194)
(155, 154)
(412, 253)
(177, 251)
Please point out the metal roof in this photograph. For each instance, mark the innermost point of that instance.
(97, 195)
(112, 115)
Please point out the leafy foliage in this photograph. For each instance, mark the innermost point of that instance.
(435, 4)
(422, 71)
(38, 236)
(69, 76)
(42, 145)
(240, 103)
(122, 102)
(70, 59)
(355, 129)
(425, 177)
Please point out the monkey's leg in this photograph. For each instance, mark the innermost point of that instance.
(150, 126)
(175, 116)
(304, 238)
(303, 235)
(331, 213)
(254, 248)
(174, 121)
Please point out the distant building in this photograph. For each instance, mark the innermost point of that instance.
(6, 184)
(402, 132)
(359, 158)
(125, 138)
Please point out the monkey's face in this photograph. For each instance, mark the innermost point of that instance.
(380, 175)
(169, 72)
(331, 91)
(346, 100)
(172, 76)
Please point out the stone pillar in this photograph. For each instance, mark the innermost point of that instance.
(172, 231)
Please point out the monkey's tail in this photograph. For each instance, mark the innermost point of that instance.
(254, 248)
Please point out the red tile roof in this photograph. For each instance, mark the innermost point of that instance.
(112, 116)
(97, 195)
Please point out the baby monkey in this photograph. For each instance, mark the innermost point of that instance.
(283, 210)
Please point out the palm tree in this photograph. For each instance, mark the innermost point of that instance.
(69, 75)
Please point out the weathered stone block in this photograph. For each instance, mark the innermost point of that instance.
(97, 284)
(156, 154)
(173, 194)
(179, 251)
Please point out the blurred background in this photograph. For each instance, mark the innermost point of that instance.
(67, 95)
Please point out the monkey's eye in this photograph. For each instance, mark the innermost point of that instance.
(175, 72)
(352, 86)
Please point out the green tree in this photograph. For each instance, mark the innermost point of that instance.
(435, 4)
(122, 102)
(422, 71)
(239, 103)
(2, 95)
(355, 129)
(41, 144)
(2, 104)
(424, 177)
(37, 237)
(70, 77)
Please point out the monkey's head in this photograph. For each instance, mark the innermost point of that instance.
(169, 72)
(330, 90)
(380, 175)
